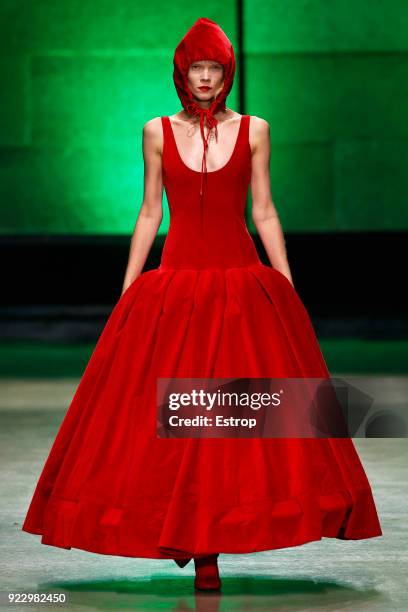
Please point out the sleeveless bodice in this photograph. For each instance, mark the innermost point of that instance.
(208, 233)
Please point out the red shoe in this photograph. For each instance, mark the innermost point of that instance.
(207, 577)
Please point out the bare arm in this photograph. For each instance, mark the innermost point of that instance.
(151, 211)
(264, 213)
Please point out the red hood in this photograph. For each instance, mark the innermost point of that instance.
(205, 40)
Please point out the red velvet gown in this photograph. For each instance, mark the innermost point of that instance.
(211, 309)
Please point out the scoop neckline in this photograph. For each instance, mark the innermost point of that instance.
(208, 171)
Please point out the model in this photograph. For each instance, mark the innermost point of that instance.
(110, 485)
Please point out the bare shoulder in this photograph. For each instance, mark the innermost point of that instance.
(259, 132)
(153, 133)
(152, 127)
(258, 126)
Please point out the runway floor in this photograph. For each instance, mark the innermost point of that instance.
(325, 575)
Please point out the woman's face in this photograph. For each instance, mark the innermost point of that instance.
(205, 79)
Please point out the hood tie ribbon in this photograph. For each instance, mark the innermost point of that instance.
(211, 122)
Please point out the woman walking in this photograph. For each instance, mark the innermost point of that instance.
(211, 309)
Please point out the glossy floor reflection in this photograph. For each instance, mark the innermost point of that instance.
(326, 575)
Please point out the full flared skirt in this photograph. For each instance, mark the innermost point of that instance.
(111, 486)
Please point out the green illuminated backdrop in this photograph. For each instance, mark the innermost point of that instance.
(81, 77)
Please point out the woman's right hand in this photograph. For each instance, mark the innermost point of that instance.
(127, 284)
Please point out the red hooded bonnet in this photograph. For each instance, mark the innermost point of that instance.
(205, 40)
